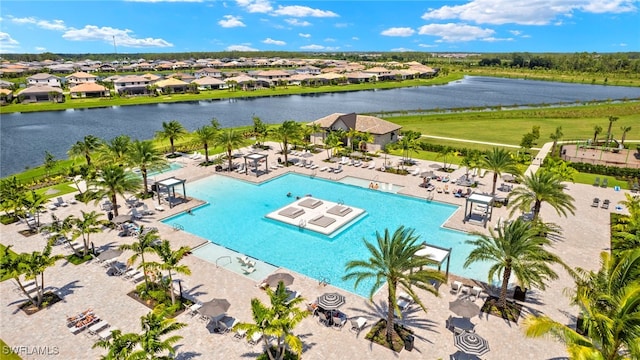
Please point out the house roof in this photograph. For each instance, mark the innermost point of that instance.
(151, 77)
(358, 75)
(241, 79)
(131, 78)
(171, 82)
(88, 87)
(5, 91)
(39, 90)
(377, 69)
(42, 76)
(362, 123)
(81, 75)
(208, 80)
(330, 76)
(272, 73)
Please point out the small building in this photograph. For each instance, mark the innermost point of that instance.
(89, 90)
(383, 132)
(42, 93)
(209, 83)
(80, 77)
(43, 79)
(272, 75)
(172, 85)
(208, 72)
(132, 85)
(6, 96)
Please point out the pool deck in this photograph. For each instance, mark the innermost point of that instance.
(585, 235)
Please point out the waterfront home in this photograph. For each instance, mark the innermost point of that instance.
(271, 75)
(359, 77)
(6, 84)
(309, 69)
(379, 72)
(6, 96)
(172, 85)
(208, 72)
(209, 83)
(88, 90)
(132, 85)
(383, 132)
(43, 79)
(41, 93)
(80, 77)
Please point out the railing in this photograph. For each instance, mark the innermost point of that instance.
(177, 227)
(221, 258)
(302, 223)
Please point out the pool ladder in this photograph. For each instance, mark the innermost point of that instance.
(177, 227)
(324, 281)
(302, 223)
(223, 257)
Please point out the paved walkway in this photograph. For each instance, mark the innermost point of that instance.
(88, 286)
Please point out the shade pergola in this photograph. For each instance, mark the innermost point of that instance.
(437, 254)
(170, 184)
(472, 214)
(255, 158)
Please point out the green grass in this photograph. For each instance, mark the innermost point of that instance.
(589, 179)
(6, 353)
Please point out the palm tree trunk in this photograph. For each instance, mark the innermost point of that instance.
(143, 171)
(536, 210)
(88, 158)
(85, 241)
(286, 153)
(495, 181)
(144, 270)
(502, 303)
(173, 296)
(206, 153)
(115, 204)
(390, 318)
(266, 345)
(229, 157)
(173, 149)
(24, 291)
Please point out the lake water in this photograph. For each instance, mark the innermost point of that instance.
(25, 137)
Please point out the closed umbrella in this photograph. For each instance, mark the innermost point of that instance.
(274, 279)
(331, 301)
(471, 343)
(214, 308)
(121, 219)
(464, 308)
(109, 254)
(460, 355)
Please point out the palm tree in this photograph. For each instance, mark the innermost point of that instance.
(407, 144)
(115, 151)
(307, 131)
(144, 155)
(171, 262)
(596, 131)
(515, 248)
(561, 169)
(556, 136)
(90, 223)
(156, 325)
(119, 346)
(34, 204)
(393, 261)
(499, 161)
(12, 267)
(171, 130)
(229, 140)
(113, 180)
(33, 265)
(625, 130)
(541, 186)
(612, 119)
(206, 135)
(332, 142)
(470, 162)
(365, 138)
(85, 147)
(351, 135)
(259, 129)
(286, 132)
(279, 320)
(145, 244)
(609, 300)
(445, 153)
(62, 228)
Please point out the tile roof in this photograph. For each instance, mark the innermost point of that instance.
(362, 123)
(88, 87)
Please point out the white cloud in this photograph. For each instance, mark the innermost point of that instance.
(231, 21)
(427, 46)
(341, 25)
(455, 32)
(40, 48)
(158, 1)
(303, 11)
(355, 38)
(273, 42)
(108, 34)
(296, 22)
(57, 25)
(7, 42)
(622, 44)
(495, 39)
(312, 47)
(402, 50)
(329, 40)
(240, 48)
(398, 31)
(515, 32)
(306, 36)
(255, 6)
(525, 12)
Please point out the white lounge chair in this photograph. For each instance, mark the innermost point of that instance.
(372, 165)
(416, 172)
(475, 293)
(60, 202)
(456, 286)
(135, 213)
(338, 169)
(358, 324)
(146, 210)
(324, 168)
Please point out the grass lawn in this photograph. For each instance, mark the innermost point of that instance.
(6, 353)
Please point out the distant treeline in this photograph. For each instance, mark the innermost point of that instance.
(628, 62)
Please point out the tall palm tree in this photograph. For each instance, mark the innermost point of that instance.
(309, 130)
(85, 147)
(156, 325)
(351, 135)
(625, 130)
(445, 154)
(392, 260)
(206, 135)
(119, 345)
(112, 181)
(62, 228)
(407, 144)
(144, 155)
(517, 249)
(278, 321)
(331, 142)
(172, 130)
(285, 133)
(229, 140)
(171, 262)
(34, 204)
(12, 267)
(115, 151)
(612, 119)
(556, 136)
(499, 161)
(470, 162)
(145, 244)
(365, 138)
(596, 131)
(33, 265)
(609, 300)
(541, 186)
(90, 223)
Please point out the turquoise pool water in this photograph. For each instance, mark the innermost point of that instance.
(172, 166)
(235, 218)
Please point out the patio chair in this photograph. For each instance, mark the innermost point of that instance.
(339, 321)
(255, 338)
(372, 165)
(595, 202)
(605, 204)
(59, 202)
(475, 293)
(136, 214)
(456, 286)
(605, 183)
(358, 324)
(323, 319)
(146, 210)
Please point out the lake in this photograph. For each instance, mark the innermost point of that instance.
(24, 137)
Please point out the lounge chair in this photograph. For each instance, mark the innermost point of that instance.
(339, 210)
(404, 301)
(605, 183)
(257, 336)
(52, 206)
(240, 168)
(358, 324)
(324, 168)
(146, 210)
(137, 278)
(372, 165)
(416, 171)
(60, 202)
(456, 286)
(605, 204)
(105, 334)
(291, 212)
(475, 293)
(323, 319)
(135, 213)
(97, 327)
(273, 166)
(596, 182)
(595, 202)
(310, 203)
(344, 161)
(339, 321)
(338, 169)
(322, 221)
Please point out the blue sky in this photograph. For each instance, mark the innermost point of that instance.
(257, 25)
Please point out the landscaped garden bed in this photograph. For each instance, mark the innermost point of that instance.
(49, 299)
(378, 335)
(511, 312)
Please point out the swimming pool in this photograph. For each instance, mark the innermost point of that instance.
(386, 187)
(172, 166)
(235, 217)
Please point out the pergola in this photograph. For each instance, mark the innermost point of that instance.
(478, 207)
(437, 254)
(255, 158)
(170, 184)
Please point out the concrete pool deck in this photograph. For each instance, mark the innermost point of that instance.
(84, 286)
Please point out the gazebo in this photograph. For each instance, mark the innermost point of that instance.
(437, 254)
(255, 158)
(478, 208)
(170, 185)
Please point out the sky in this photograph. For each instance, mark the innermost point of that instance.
(477, 26)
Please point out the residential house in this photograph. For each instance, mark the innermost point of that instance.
(209, 83)
(383, 132)
(89, 89)
(379, 72)
(272, 76)
(6, 96)
(359, 77)
(308, 70)
(172, 85)
(42, 79)
(6, 84)
(131, 85)
(40, 93)
(208, 72)
(80, 77)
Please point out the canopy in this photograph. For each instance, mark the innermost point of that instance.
(465, 308)
(109, 254)
(331, 301)
(471, 343)
(274, 279)
(214, 307)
